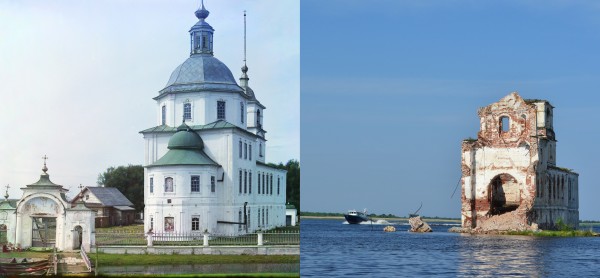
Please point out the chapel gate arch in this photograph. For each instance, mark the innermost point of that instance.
(505, 194)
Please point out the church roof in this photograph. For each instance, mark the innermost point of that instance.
(8, 204)
(184, 157)
(110, 196)
(185, 148)
(201, 72)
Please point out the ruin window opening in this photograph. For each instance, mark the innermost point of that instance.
(504, 124)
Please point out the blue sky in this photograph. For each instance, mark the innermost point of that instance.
(77, 78)
(390, 88)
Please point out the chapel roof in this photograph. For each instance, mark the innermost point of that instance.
(109, 196)
(185, 148)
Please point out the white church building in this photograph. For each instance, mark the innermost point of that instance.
(204, 166)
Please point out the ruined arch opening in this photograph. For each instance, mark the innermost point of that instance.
(505, 194)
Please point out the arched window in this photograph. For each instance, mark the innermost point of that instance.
(187, 111)
(212, 184)
(168, 184)
(151, 185)
(258, 118)
(504, 124)
(260, 150)
(164, 115)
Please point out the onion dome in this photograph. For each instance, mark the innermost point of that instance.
(185, 138)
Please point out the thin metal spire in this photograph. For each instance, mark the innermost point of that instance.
(244, 37)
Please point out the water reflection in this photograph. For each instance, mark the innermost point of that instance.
(202, 268)
(486, 255)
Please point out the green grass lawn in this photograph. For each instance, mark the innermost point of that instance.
(548, 233)
(134, 259)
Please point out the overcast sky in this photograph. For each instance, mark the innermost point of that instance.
(391, 87)
(77, 78)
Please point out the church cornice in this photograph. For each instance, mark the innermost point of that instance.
(218, 125)
(205, 87)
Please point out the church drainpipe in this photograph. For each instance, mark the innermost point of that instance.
(243, 223)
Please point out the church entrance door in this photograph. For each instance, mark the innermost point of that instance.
(43, 231)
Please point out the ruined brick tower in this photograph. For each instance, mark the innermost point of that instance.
(510, 180)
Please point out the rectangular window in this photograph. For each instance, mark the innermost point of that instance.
(271, 184)
(212, 184)
(258, 182)
(245, 182)
(240, 149)
(151, 222)
(278, 185)
(195, 182)
(169, 224)
(220, 110)
(195, 223)
(242, 112)
(258, 218)
(239, 220)
(245, 151)
(249, 182)
(187, 111)
(240, 181)
(169, 184)
(250, 151)
(164, 115)
(263, 184)
(151, 185)
(197, 42)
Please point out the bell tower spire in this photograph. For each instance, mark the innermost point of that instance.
(201, 34)
(244, 79)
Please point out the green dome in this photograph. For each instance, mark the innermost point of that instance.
(185, 138)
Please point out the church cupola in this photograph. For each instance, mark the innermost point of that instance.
(201, 34)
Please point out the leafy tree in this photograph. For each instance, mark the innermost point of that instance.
(129, 180)
(293, 181)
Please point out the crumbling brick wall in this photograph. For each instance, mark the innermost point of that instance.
(504, 170)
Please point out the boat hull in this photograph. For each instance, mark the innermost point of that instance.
(355, 219)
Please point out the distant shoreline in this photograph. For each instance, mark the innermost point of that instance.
(384, 218)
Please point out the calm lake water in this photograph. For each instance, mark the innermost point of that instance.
(330, 248)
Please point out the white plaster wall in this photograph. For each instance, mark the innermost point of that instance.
(8, 217)
(495, 161)
(204, 108)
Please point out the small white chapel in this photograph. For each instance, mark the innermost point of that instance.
(43, 218)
